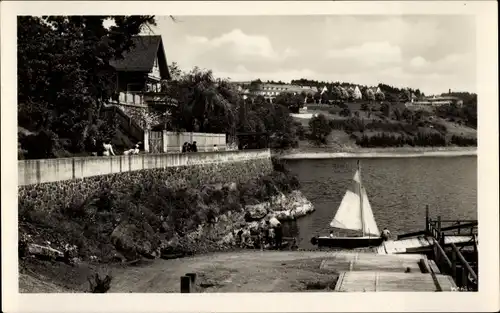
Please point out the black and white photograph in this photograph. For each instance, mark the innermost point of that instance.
(236, 153)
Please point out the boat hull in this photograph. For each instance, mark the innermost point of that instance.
(347, 242)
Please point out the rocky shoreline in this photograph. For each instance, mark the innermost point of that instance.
(219, 235)
(250, 221)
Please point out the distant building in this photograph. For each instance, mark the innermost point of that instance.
(270, 91)
(357, 93)
(437, 101)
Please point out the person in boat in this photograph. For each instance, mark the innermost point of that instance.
(386, 234)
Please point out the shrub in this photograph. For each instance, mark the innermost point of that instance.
(86, 212)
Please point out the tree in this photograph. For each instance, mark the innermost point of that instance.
(175, 71)
(64, 71)
(320, 129)
(205, 104)
(345, 112)
(404, 96)
(351, 94)
(324, 98)
(370, 95)
(386, 109)
(317, 97)
(379, 95)
(291, 101)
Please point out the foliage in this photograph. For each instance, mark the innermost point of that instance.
(466, 113)
(345, 112)
(379, 96)
(294, 102)
(319, 129)
(204, 104)
(85, 213)
(64, 72)
(370, 95)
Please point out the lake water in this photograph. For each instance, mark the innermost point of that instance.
(398, 189)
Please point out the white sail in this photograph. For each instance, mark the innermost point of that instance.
(348, 214)
(371, 228)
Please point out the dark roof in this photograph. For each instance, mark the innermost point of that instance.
(142, 55)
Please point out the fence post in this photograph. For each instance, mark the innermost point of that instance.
(439, 224)
(441, 239)
(454, 264)
(465, 278)
(458, 223)
(185, 284)
(436, 256)
(146, 140)
(427, 218)
(164, 141)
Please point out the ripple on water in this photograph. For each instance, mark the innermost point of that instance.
(398, 189)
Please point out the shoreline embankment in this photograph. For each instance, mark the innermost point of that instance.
(119, 210)
(403, 152)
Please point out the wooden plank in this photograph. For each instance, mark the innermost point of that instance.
(371, 261)
(387, 281)
(434, 267)
(340, 280)
(446, 283)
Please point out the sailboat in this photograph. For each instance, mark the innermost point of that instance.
(354, 213)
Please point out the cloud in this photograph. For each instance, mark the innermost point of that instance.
(432, 53)
(371, 54)
(418, 62)
(241, 73)
(236, 42)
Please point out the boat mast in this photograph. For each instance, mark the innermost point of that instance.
(360, 186)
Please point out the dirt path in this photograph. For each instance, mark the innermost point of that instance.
(244, 271)
(258, 271)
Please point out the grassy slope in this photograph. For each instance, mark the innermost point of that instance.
(340, 141)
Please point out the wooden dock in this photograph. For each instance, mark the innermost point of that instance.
(391, 281)
(364, 261)
(427, 260)
(419, 244)
(365, 271)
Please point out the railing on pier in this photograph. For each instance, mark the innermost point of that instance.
(458, 268)
(448, 257)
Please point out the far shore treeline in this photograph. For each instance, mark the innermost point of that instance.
(65, 79)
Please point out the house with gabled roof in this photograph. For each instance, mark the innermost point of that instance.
(140, 72)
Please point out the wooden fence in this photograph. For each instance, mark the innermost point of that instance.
(165, 141)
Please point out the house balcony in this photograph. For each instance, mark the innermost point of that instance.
(142, 99)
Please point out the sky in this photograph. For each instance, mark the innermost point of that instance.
(433, 53)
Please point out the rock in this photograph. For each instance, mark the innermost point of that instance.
(44, 251)
(273, 222)
(164, 227)
(232, 186)
(130, 240)
(256, 212)
(253, 226)
(118, 258)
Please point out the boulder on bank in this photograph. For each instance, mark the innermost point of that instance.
(132, 240)
(256, 212)
(291, 207)
(44, 251)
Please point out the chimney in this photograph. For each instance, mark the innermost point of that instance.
(449, 91)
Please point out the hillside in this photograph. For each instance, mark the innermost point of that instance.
(374, 128)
